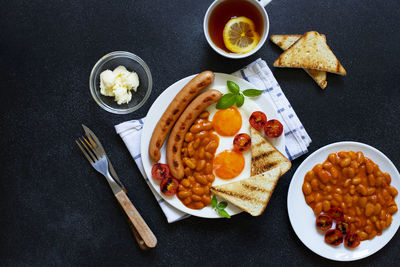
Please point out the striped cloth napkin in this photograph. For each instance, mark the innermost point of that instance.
(258, 74)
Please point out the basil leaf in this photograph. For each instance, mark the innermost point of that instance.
(252, 92)
(214, 201)
(233, 87)
(222, 205)
(239, 100)
(223, 213)
(226, 101)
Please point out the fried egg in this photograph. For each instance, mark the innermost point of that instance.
(229, 164)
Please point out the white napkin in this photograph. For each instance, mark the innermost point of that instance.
(257, 73)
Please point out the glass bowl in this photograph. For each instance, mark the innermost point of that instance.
(132, 63)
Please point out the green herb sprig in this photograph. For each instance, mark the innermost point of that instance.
(235, 96)
(219, 207)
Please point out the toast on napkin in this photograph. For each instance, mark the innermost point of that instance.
(286, 41)
(310, 52)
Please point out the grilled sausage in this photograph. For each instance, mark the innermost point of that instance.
(175, 109)
(176, 138)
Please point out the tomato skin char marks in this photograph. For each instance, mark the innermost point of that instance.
(324, 222)
(334, 237)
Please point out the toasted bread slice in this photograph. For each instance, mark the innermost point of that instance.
(251, 194)
(264, 156)
(310, 52)
(286, 41)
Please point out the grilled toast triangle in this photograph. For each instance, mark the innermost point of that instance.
(286, 41)
(251, 194)
(310, 52)
(264, 156)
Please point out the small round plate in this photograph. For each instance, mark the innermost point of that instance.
(157, 110)
(303, 219)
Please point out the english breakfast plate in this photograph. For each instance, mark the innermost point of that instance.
(251, 104)
(302, 216)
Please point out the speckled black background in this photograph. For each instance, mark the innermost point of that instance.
(55, 210)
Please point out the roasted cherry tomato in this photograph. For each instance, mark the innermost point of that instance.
(334, 237)
(352, 240)
(324, 222)
(160, 171)
(336, 213)
(258, 120)
(242, 142)
(342, 226)
(273, 128)
(169, 186)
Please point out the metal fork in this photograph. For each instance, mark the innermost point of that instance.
(97, 158)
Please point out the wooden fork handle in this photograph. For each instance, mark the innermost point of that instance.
(140, 225)
(138, 238)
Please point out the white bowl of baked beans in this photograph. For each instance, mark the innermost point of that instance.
(364, 173)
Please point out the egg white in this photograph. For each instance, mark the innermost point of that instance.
(226, 142)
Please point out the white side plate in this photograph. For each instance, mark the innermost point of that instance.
(303, 219)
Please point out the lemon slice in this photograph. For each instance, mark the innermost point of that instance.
(240, 35)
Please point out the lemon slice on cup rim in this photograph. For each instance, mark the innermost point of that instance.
(240, 35)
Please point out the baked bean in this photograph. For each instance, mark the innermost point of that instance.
(388, 179)
(374, 219)
(206, 190)
(361, 189)
(393, 191)
(187, 171)
(388, 220)
(189, 137)
(369, 209)
(382, 215)
(191, 179)
(352, 155)
(334, 172)
(392, 209)
(187, 201)
(205, 141)
(206, 200)
(328, 197)
(307, 188)
(196, 197)
(356, 180)
(327, 165)
(190, 149)
(196, 128)
(198, 191)
(201, 179)
(359, 212)
(198, 205)
(370, 191)
(318, 208)
(318, 197)
(200, 165)
(334, 203)
(332, 158)
(352, 213)
(208, 169)
(204, 115)
(184, 194)
(321, 186)
(373, 199)
(362, 201)
(210, 178)
(207, 126)
(350, 172)
(208, 155)
(211, 147)
(378, 209)
(326, 205)
(354, 164)
(201, 134)
(338, 197)
(314, 184)
(370, 167)
(352, 190)
(363, 236)
(386, 194)
(309, 199)
(310, 176)
(347, 183)
(328, 188)
(345, 162)
(196, 143)
(185, 182)
(360, 157)
(379, 181)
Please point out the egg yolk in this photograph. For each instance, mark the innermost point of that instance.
(227, 122)
(228, 164)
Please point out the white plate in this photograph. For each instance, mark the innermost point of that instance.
(154, 115)
(303, 219)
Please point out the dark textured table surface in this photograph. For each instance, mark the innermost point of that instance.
(55, 210)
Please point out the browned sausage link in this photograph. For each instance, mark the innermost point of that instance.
(175, 140)
(175, 109)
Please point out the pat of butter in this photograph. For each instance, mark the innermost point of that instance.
(119, 83)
